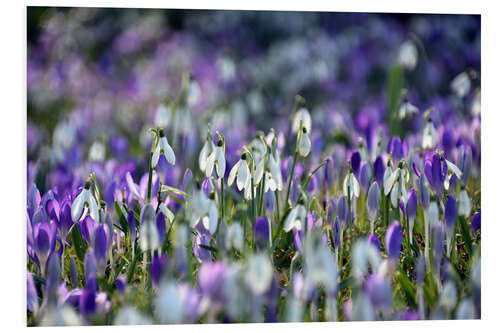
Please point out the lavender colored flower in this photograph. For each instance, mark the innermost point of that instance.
(476, 222)
(355, 162)
(393, 238)
(373, 239)
(157, 267)
(379, 170)
(379, 291)
(261, 232)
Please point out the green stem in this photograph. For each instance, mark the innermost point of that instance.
(291, 175)
(150, 177)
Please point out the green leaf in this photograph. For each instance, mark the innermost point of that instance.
(78, 242)
(166, 188)
(464, 230)
(408, 288)
(123, 221)
(394, 90)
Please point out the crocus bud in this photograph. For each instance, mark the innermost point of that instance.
(464, 161)
(101, 241)
(364, 175)
(261, 232)
(342, 210)
(379, 291)
(379, 170)
(157, 268)
(131, 226)
(412, 203)
(395, 148)
(424, 192)
(329, 171)
(393, 238)
(476, 222)
(450, 213)
(355, 162)
(87, 303)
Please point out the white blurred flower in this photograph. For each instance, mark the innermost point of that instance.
(204, 209)
(464, 206)
(461, 84)
(162, 116)
(408, 55)
(476, 104)
(259, 273)
(168, 304)
(320, 264)
(129, 315)
(304, 143)
(395, 184)
(97, 152)
(364, 254)
(60, 316)
(407, 110)
(148, 233)
(448, 298)
(429, 135)
(433, 214)
(234, 236)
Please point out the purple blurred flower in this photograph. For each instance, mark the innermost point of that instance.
(379, 291)
(355, 162)
(373, 239)
(211, 280)
(157, 267)
(379, 170)
(476, 222)
(393, 238)
(261, 232)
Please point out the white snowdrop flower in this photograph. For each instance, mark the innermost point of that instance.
(429, 135)
(148, 232)
(259, 273)
(304, 142)
(270, 183)
(206, 150)
(408, 55)
(259, 171)
(295, 219)
(234, 237)
(241, 173)
(302, 116)
(276, 172)
(217, 158)
(433, 214)
(85, 197)
(193, 94)
(351, 185)
(162, 147)
(464, 206)
(64, 135)
(407, 110)
(168, 304)
(476, 104)
(395, 184)
(97, 152)
(454, 168)
(461, 84)
(226, 68)
(169, 215)
(162, 116)
(204, 209)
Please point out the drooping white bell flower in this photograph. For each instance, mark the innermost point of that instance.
(295, 218)
(407, 110)
(303, 117)
(162, 147)
(408, 55)
(304, 142)
(205, 210)
(320, 264)
(208, 148)
(461, 84)
(464, 206)
(217, 158)
(241, 173)
(149, 238)
(276, 172)
(429, 135)
(169, 215)
(351, 185)
(454, 168)
(259, 273)
(162, 116)
(395, 184)
(85, 197)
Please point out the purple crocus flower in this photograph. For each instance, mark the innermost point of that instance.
(464, 162)
(412, 203)
(372, 201)
(424, 192)
(203, 238)
(157, 267)
(437, 243)
(101, 241)
(87, 302)
(31, 294)
(379, 170)
(379, 291)
(373, 239)
(161, 226)
(395, 148)
(261, 232)
(364, 175)
(90, 263)
(393, 238)
(435, 170)
(131, 226)
(44, 237)
(475, 223)
(355, 162)
(211, 280)
(121, 284)
(336, 232)
(342, 211)
(450, 213)
(329, 172)
(420, 270)
(87, 226)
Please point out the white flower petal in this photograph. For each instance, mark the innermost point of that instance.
(243, 174)
(221, 162)
(77, 206)
(156, 156)
(233, 173)
(210, 164)
(389, 182)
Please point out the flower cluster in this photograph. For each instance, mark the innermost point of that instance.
(166, 197)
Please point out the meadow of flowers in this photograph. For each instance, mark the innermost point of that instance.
(232, 166)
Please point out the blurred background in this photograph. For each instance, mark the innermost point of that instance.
(98, 79)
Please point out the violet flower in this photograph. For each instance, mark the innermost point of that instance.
(393, 238)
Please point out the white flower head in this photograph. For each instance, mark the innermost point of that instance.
(234, 237)
(429, 135)
(162, 116)
(464, 206)
(461, 84)
(205, 210)
(162, 147)
(216, 158)
(351, 185)
(259, 273)
(295, 219)
(407, 110)
(408, 55)
(85, 197)
(148, 236)
(168, 304)
(241, 173)
(302, 117)
(304, 145)
(395, 185)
